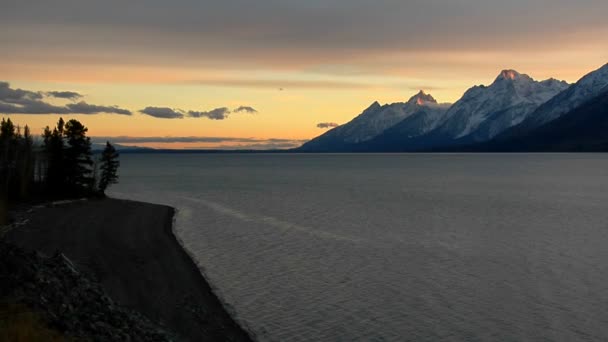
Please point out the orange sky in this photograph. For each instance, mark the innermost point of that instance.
(294, 73)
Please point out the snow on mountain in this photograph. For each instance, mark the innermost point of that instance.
(485, 111)
(582, 129)
(372, 122)
(403, 135)
(588, 87)
(377, 119)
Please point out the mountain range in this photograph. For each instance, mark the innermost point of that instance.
(376, 119)
(513, 110)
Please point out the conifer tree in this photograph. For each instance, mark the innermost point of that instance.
(7, 137)
(77, 157)
(109, 167)
(16, 164)
(25, 162)
(54, 148)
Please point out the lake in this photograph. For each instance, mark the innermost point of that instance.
(393, 247)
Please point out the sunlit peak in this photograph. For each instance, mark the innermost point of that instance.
(422, 99)
(510, 74)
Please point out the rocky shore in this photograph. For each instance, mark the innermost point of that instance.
(67, 301)
(110, 269)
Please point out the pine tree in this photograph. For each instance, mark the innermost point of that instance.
(7, 138)
(77, 157)
(25, 162)
(8, 141)
(109, 167)
(7, 133)
(16, 164)
(54, 147)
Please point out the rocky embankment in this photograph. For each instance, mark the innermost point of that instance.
(67, 300)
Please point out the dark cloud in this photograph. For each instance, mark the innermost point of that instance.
(192, 29)
(326, 125)
(17, 96)
(246, 109)
(85, 108)
(19, 101)
(70, 95)
(214, 114)
(163, 112)
(221, 113)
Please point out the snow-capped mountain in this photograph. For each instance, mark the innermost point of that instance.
(582, 129)
(377, 119)
(403, 135)
(498, 116)
(587, 88)
(485, 111)
(372, 122)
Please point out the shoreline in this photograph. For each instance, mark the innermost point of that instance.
(132, 250)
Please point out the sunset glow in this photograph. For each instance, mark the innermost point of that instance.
(509, 74)
(293, 73)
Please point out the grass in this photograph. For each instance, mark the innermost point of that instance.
(18, 323)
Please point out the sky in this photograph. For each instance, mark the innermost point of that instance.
(271, 73)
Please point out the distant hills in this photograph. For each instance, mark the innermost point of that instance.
(98, 147)
(514, 113)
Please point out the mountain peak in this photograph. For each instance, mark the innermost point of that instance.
(373, 106)
(422, 99)
(510, 74)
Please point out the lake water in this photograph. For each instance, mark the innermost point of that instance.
(418, 247)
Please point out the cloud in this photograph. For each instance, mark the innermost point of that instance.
(221, 113)
(17, 96)
(246, 109)
(85, 108)
(163, 112)
(280, 84)
(186, 139)
(20, 101)
(245, 143)
(70, 95)
(326, 125)
(345, 32)
(265, 145)
(214, 114)
(340, 25)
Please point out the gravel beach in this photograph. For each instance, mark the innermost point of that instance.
(130, 249)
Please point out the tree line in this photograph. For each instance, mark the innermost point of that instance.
(63, 166)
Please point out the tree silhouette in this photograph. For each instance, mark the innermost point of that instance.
(25, 162)
(62, 168)
(7, 151)
(54, 148)
(7, 157)
(77, 157)
(16, 164)
(68, 151)
(109, 167)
